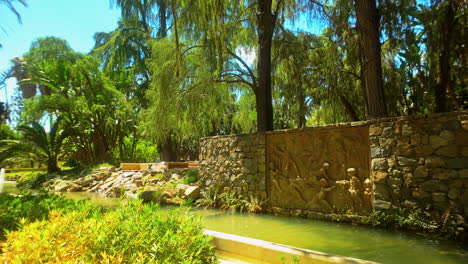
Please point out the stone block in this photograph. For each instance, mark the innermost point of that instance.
(381, 191)
(447, 151)
(387, 132)
(420, 194)
(409, 179)
(406, 130)
(421, 172)
(382, 205)
(457, 163)
(379, 164)
(380, 176)
(454, 193)
(463, 174)
(379, 152)
(394, 182)
(375, 131)
(403, 161)
(435, 162)
(423, 150)
(437, 141)
(431, 186)
(461, 138)
(464, 152)
(404, 150)
(439, 197)
(448, 135)
(443, 174)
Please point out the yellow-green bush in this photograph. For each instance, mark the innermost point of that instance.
(134, 233)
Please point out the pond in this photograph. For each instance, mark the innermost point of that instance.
(385, 246)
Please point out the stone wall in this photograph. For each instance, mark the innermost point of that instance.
(234, 162)
(416, 162)
(421, 162)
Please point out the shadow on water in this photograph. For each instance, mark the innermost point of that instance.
(385, 246)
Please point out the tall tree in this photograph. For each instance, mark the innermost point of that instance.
(367, 23)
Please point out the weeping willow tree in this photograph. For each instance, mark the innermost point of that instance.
(185, 104)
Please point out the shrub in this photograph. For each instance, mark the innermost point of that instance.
(191, 176)
(32, 207)
(134, 233)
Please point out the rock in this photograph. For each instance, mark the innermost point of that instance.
(409, 204)
(461, 138)
(180, 190)
(74, 188)
(154, 181)
(127, 174)
(423, 150)
(137, 176)
(435, 162)
(443, 174)
(380, 176)
(432, 186)
(379, 164)
(421, 172)
(62, 186)
(86, 181)
(382, 205)
(439, 197)
(138, 183)
(381, 191)
(454, 193)
(409, 179)
(458, 219)
(447, 151)
(375, 131)
(420, 194)
(192, 193)
(175, 177)
(463, 173)
(457, 163)
(402, 161)
(406, 130)
(394, 182)
(437, 141)
(404, 150)
(448, 135)
(387, 132)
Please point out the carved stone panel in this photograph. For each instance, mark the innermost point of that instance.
(320, 170)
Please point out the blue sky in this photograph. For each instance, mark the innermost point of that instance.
(74, 21)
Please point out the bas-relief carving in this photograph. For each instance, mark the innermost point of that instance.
(325, 171)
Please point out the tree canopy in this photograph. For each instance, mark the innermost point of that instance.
(174, 71)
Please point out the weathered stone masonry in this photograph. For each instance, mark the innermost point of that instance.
(234, 162)
(415, 162)
(421, 162)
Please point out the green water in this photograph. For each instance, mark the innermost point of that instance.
(362, 242)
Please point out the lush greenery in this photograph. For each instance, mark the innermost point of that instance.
(17, 211)
(57, 230)
(176, 70)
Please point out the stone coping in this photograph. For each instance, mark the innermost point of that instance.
(169, 165)
(348, 124)
(267, 252)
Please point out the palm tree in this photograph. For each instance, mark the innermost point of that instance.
(37, 143)
(10, 5)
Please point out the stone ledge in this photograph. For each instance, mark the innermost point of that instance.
(267, 252)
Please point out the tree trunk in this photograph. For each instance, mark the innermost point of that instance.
(162, 31)
(443, 82)
(263, 97)
(367, 24)
(168, 151)
(52, 165)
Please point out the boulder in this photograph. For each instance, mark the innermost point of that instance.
(192, 193)
(180, 190)
(62, 186)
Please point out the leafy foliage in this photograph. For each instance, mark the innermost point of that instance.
(134, 233)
